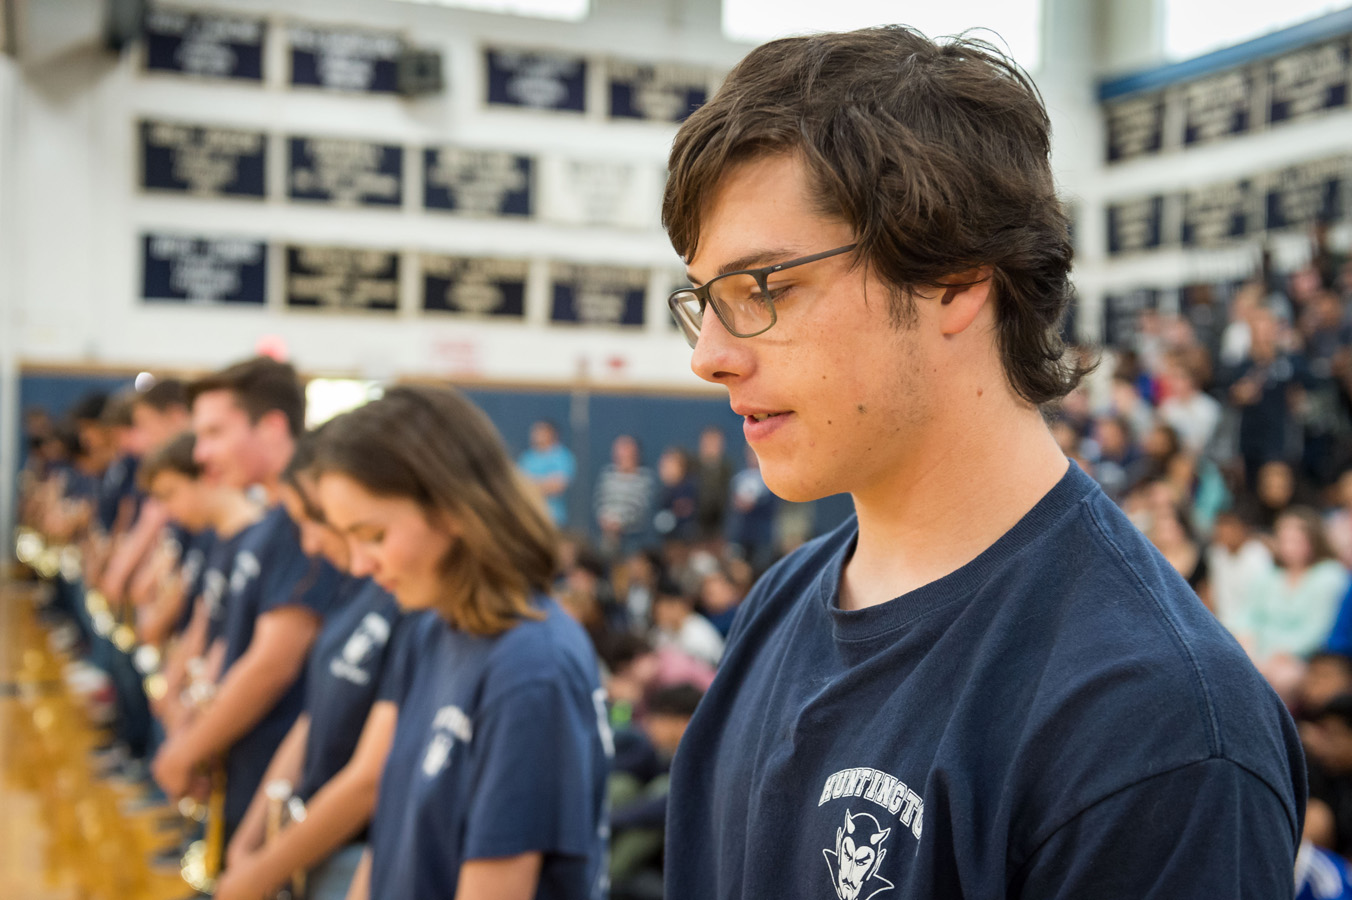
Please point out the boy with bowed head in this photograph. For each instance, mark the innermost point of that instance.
(987, 660)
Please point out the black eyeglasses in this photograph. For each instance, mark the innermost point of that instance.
(742, 300)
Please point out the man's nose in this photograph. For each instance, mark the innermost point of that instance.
(718, 355)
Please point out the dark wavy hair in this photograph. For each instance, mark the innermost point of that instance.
(259, 385)
(935, 152)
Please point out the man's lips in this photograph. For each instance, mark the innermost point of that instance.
(758, 415)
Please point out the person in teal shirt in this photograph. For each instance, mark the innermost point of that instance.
(550, 466)
(1292, 607)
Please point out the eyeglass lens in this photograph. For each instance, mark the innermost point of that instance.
(739, 300)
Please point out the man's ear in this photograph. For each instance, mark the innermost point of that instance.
(276, 422)
(963, 298)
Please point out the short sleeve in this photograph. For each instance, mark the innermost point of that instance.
(398, 667)
(300, 581)
(539, 774)
(1205, 830)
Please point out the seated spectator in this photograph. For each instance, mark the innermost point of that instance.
(677, 625)
(634, 669)
(722, 592)
(1327, 675)
(587, 597)
(1115, 455)
(1338, 523)
(636, 585)
(1327, 736)
(1193, 414)
(1174, 537)
(752, 527)
(639, 797)
(629, 671)
(1235, 559)
(1276, 490)
(676, 498)
(1292, 608)
(1130, 397)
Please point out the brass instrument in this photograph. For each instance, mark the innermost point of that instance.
(284, 808)
(201, 863)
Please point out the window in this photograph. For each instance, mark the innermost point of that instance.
(328, 397)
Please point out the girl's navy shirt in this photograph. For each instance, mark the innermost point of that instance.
(343, 678)
(502, 748)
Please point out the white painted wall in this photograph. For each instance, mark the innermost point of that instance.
(71, 277)
(77, 258)
(9, 319)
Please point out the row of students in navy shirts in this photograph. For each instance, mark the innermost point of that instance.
(367, 609)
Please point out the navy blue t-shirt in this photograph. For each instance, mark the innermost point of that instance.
(218, 562)
(502, 748)
(270, 571)
(192, 566)
(1058, 718)
(343, 677)
(118, 484)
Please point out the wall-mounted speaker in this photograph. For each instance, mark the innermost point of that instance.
(420, 72)
(123, 22)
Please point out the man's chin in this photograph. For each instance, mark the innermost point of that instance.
(793, 490)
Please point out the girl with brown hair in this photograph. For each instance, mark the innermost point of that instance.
(495, 783)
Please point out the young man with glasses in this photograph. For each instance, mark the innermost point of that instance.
(986, 683)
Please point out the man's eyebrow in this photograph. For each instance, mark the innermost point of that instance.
(753, 260)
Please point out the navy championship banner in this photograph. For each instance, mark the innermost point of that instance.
(343, 60)
(178, 269)
(475, 287)
(1122, 313)
(342, 279)
(344, 172)
(597, 295)
(206, 162)
(1134, 127)
(655, 93)
(1218, 213)
(201, 44)
(1135, 225)
(1218, 107)
(536, 80)
(1307, 82)
(1301, 195)
(478, 182)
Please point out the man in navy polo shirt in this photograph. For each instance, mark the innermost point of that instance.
(986, 683)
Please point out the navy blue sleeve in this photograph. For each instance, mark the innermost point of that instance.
(1205, 830)
(394, 675)
(300, 581)
(534, 785)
